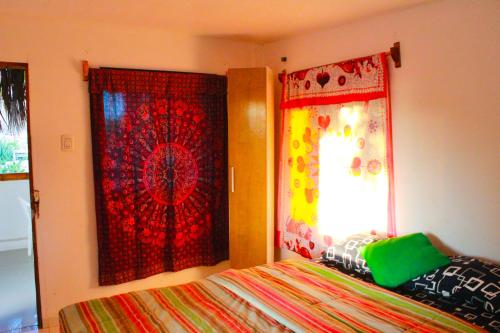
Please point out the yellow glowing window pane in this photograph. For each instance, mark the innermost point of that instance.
(303, 205)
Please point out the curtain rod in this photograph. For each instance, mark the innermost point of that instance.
(85, 70)
(394, 52)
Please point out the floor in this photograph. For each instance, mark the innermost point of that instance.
(17, 292)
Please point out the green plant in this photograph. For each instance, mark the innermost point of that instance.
(7, 150)
(14, 167)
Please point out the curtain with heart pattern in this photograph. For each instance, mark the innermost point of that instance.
(336, 169)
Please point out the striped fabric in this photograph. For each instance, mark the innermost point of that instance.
(296, 295)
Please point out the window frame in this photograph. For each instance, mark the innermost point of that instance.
(14, 176)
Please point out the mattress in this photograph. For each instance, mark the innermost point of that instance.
(287, 296)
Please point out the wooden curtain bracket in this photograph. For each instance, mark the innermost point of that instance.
(396, 54)
(85, 70)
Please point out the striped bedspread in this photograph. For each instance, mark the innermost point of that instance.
(287, 296)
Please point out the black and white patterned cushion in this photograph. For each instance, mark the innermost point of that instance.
(459, 308)
(474, 281)
(346, 254)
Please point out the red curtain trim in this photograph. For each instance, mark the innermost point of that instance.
(278, 235)
(391, 214)
(299, 103)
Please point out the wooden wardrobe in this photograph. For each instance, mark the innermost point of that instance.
(251, 166)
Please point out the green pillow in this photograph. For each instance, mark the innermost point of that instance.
(395, 261)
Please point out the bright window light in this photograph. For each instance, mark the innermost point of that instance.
(353, 189)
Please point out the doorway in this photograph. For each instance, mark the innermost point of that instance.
(19, 288)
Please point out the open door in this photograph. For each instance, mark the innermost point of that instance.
(19, 284)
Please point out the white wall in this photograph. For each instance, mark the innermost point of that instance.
(14, 224)
(446, 113)
(66, 229)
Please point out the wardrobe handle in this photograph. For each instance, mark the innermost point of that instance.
(232, 179)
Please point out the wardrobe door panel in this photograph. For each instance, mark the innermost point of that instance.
(251, 163)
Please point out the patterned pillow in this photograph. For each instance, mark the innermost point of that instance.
(473, 280)
(346, 254)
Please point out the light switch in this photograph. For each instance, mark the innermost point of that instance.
(67, 143)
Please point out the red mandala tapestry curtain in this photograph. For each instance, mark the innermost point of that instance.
(160, 171)
(336, 170)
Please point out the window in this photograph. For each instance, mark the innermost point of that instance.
(336, 157)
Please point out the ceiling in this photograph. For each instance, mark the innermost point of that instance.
(254, 20)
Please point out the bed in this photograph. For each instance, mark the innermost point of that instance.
(286, 296)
